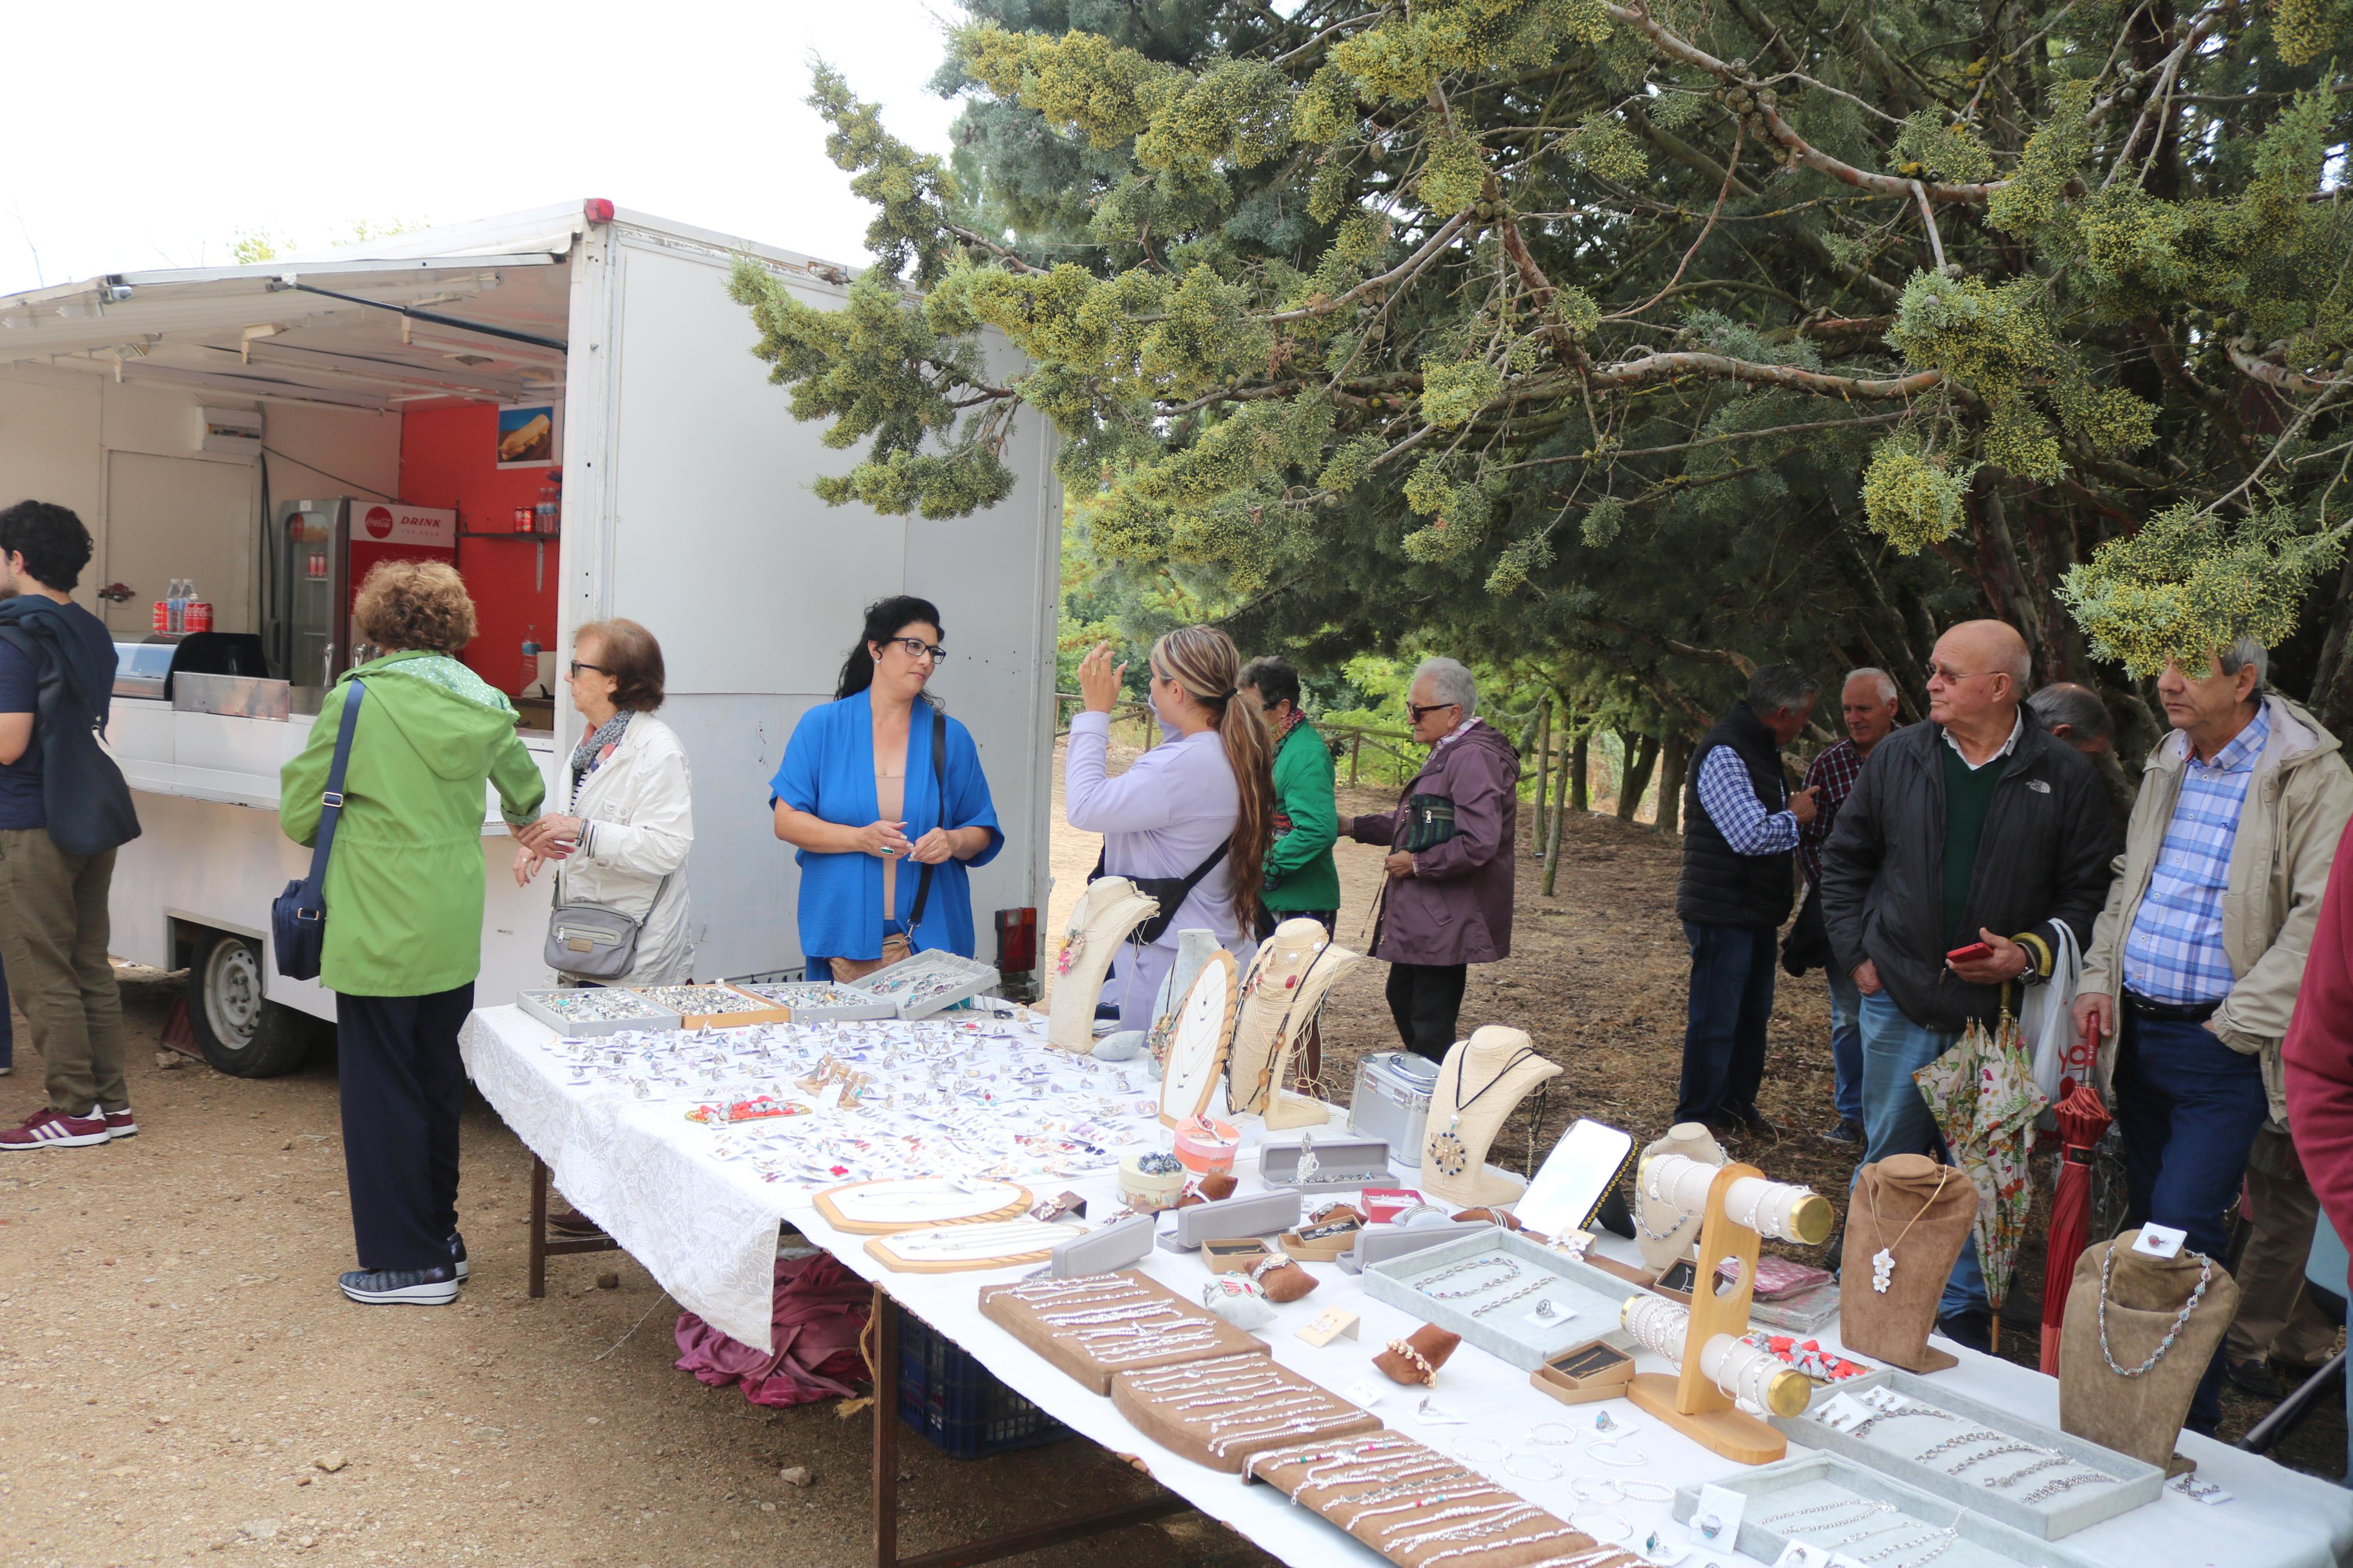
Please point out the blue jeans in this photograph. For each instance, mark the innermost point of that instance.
(2187, 1110)
(1846, 1047)
(1897, 1121)
(1724, 1034)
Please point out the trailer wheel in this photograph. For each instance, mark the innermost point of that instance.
(241, 1032)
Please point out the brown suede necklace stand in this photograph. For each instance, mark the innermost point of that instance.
(1894, 1327)
(2140, 1416)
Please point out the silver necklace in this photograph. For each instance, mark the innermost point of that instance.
(1510, 1266)
(1521, 1294)
(2180, 1319)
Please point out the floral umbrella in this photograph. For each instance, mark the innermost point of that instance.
(1985, 1100)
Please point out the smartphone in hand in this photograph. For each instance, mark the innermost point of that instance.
(1970, 953)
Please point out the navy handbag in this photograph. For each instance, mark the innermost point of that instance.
(298, 917)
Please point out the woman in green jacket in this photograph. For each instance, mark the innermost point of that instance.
(404, 899)
(1301, 879)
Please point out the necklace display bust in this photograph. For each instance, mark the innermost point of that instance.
(1106, 912)
(1663, 1232)
(1906, 1225)
(1482, 1079)
(2140, 1331)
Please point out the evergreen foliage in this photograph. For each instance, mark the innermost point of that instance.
(1632, 344)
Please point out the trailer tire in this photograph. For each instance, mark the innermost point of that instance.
(241, 1032)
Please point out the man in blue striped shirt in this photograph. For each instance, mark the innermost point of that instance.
(2192, 970)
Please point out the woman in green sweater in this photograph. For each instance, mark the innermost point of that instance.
(1301, 879)
(405, 913)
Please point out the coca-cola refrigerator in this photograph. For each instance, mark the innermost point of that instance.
(319, 554)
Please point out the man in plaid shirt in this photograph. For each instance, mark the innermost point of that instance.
(1867, 702)
(2192, 973)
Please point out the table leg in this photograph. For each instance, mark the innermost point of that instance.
(886, 1430)
(993, 1548)
(538, 1226)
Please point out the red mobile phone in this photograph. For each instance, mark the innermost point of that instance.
(1975, 950)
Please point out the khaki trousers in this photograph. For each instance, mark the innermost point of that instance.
(53, 935)
(2275, 1312)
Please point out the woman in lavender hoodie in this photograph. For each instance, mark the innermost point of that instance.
(1205, 798)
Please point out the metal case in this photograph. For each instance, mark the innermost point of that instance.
(1391, 1101)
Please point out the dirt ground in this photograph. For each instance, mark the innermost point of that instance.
(179, 1378)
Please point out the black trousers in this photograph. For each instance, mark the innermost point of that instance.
(1426, 999)
(403, 1086)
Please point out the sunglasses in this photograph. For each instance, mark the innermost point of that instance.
(1417, 711)
(918, 649)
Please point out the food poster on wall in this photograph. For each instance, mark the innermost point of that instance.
(531, 436)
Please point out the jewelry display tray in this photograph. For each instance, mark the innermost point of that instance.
(533, 1003)
(929, 983)
(1593, 1297)
(1809, 1480)
(794, 995)
(2136, 1483)
(1342, 1164)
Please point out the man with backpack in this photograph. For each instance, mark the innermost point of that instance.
(64, 809)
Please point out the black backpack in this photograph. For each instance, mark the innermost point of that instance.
(83, 795)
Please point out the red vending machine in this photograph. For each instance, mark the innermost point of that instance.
(320, 552)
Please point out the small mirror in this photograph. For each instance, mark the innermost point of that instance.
(1574, 1178)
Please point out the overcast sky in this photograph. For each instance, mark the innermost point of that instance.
(144, 135)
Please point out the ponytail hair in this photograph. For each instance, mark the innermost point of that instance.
(1205, 662)
(884, 619)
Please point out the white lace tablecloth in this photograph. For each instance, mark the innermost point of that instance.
(707, 1231)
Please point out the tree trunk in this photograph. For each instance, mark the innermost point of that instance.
(1641, 757)
(1552, 838)
(1670, 781)
(1544, 761)
(1578, 801)
(2332, 678)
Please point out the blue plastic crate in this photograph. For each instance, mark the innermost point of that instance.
(955, 1401)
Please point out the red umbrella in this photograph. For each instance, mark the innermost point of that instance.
(2081, 1119)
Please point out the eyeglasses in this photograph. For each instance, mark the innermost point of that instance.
(1416, 709)
(577, 667)
(918, 649)
(1938, 672)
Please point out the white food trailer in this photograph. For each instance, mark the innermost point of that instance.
(183, 414)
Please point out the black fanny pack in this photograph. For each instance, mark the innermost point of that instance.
(1170, 892)
(1430, 822)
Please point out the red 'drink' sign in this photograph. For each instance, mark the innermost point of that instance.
(379, 522)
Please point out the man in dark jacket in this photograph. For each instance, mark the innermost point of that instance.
(1966, 840)
(56, 668)
(1740, 831)
(1448, 904)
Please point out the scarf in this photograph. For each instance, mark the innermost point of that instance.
(591, 752)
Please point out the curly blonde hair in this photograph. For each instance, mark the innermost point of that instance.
(407, 606)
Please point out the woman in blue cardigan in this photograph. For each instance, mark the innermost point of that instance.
(857, 794)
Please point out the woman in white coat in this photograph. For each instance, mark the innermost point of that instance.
(621, 842)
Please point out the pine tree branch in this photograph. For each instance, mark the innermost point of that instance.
(1660, 367)
(2278, 375)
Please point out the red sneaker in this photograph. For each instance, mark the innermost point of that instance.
(121, 1123)
(55, 1129)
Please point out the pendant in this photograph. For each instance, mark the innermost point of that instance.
(1883, 1266)
(1447, 1153)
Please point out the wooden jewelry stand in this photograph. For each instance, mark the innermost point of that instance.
(1107, 911)
(1690, 1402)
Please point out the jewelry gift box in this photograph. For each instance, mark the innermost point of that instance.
(1869, 1518)
(1493, 1288)
(1901, 1446)
(587, 1010)
(1583, 1373)
(1339, 1163)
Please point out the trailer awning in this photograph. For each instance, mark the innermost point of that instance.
(368, 331)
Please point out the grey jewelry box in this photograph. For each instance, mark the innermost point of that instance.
(1588, 1300)
(1100, 1251)
(822, 1001)
(536, 1004)
(1817, 1480)
(1260, 1213)
(1890, 1444)
(1341, 1163)
(1376, 1243)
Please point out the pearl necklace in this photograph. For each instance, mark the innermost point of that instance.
(2180, 1320)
